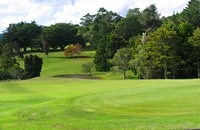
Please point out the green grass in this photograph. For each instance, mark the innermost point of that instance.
(57, 64)
(49, 103)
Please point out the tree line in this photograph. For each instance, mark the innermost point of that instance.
(153, 46)
(25, 35)
(10, 68)
(161, 47)
(21, 38)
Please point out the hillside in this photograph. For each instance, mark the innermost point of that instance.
(49, 102)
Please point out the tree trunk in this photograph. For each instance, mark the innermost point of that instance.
(17, 47)
(165, 71)
(174, 75)
(174, 71)
(124, 74)
(25, 49)
(198, 68)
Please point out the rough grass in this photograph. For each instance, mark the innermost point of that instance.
(82, 104)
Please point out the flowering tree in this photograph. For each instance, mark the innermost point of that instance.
(70, 50)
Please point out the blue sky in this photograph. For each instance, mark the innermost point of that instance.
(47, 12)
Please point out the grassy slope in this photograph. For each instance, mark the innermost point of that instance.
(57, 103)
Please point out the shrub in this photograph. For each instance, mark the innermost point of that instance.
(4, 75)
(87, 67)
(32, 66)
(70, 50)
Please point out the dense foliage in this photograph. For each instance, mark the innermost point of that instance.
(23, 35)
(70, 50)
(9, 67)
(62, 34)
(122, 59)
(163, 47)
(32, 66)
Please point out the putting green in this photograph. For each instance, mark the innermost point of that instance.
(77, 104)
(148, 101)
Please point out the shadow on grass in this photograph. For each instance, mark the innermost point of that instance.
(78, 76)
(73, 57)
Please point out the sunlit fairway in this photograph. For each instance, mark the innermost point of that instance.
(50, 103)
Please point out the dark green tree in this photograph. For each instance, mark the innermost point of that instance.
(101, 58)
(103, 24)
(141, 61)
(60, 34)
(192, 13)
(9, 67)
(107, 49)
(156, 53)
(85, 30)
(185, 51)
(164, 43)
(130, 25)
(195, 41)
(104, 39)
(113, 43)
(22, 35)
(150, 18)
(7, 57)
(32, 66)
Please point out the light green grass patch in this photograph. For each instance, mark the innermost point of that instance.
(102, 104)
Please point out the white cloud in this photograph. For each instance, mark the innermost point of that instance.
(46, 12)
(38, 11)
(5, 21)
